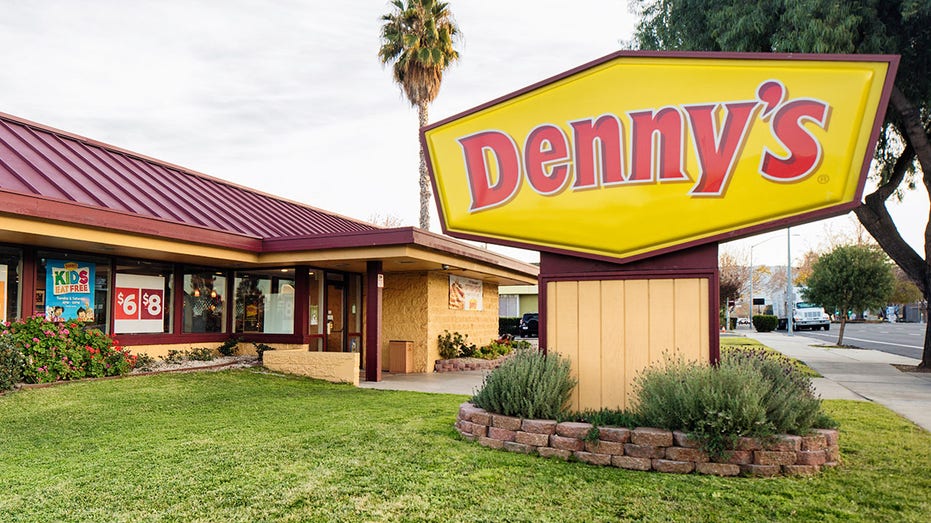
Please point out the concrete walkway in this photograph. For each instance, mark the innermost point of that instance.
(462, 382)
(859, 374)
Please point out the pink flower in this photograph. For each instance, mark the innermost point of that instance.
(65, 331)
(35, 340)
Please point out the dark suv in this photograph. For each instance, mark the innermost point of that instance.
(529, 325)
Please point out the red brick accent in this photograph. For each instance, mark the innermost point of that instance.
(773, 457)
(479, 430)
(736, 457)
(461, 364)
(717, 469)
(481, 418)
(810, 457)
(616, 435)
(491, 443)
(830, 436)
(465, 426)
(527, 438)
(686, 454)
(800, 470)
(832, 453)
(684, 440)
(550, 452)
(592, 458)
(649, 436)
(605, 447)
(829, 465)
(572, 429)
(644, 451)
(469, 437)
(784, 443)
(760, 470)
(674, 467)
(815, 442)
(562, 443)
(505, 422)
(501, 434)
(748, 444)
(466, 410)
(628, 462)
(538, 426)
(513, 446)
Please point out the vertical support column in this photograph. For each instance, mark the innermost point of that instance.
(177, 301)
(375, 282)
(302, 302)
(27, 279)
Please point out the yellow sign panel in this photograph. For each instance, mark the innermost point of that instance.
(643, 153)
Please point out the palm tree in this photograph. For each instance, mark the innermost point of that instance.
(417, 40)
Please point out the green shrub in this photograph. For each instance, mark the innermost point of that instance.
(261, 349)
(199, 354)
(716, 405)
(501, 347)
(508, 326)
(790, 402)
(54, 351)
(229, 347)
(455, 345)
(174, 357)
(11, 364)
(528, 385)
(144, 362)
(764, 322)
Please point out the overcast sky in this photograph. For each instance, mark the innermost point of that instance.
(289, 97)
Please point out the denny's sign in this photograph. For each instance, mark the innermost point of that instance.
(641, 153)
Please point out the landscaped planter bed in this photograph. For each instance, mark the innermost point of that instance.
(646, 448)
(460, 364)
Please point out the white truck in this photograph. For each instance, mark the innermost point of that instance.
(806, 315)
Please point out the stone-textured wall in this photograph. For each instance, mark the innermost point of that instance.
(338, 367)
(415, 307)
(404, 314)
(460, 364)
(648, 448)
(481, 326)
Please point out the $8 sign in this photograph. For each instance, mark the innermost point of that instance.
(139, 304)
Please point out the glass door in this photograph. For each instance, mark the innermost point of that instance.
(335, 315)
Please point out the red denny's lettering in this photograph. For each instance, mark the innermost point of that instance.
(594, 154)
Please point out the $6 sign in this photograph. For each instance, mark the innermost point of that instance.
(139, 304)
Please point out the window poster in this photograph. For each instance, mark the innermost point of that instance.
(3, 293)
(69, 290)
(465, 293)
(140, 304)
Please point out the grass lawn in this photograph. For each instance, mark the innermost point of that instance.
(245, 446)
(740, 341)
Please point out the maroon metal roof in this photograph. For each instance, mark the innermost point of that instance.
(60, 167)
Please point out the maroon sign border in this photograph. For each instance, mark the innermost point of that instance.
(892, 60)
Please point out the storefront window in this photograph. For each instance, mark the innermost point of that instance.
(73, 287)
(10, 260)
(142, 297)
(315, 292)
(204, 308)
(354, 321)
(264, 301)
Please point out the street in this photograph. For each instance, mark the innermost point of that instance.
(903, 339)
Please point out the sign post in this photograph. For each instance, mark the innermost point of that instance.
(626, 172)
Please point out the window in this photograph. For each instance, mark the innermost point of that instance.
(315, 296)
(508, 305)
(10, 269)
(204, 309)
(143, 294)
(264, 301)
(74, 287)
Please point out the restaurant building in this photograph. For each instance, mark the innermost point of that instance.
(167, 258)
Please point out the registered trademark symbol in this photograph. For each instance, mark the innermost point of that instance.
(824, 178)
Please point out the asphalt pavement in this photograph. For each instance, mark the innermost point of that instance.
(904, 339)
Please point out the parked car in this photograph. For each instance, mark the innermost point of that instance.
(529, 325)
(744, 321)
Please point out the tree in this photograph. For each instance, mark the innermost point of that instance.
(733, 277)
(850, 277)
(803, 272)
(905, 291)
(828, 26)
(417, 40)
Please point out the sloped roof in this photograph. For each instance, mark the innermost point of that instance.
(63, 168)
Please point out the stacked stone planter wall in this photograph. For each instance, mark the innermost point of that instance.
(648, 448)
(458, 364)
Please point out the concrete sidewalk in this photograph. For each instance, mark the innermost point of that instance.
(859, 374)
(462, 382)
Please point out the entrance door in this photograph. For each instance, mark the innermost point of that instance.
(335, 316)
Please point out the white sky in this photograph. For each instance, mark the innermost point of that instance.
(289, 97)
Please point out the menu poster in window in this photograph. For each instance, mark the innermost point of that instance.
(140, 304)
(69, 290)
(465, 293)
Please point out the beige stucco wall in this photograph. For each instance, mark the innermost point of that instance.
(612, 329)
(338, 367)
(415, 307)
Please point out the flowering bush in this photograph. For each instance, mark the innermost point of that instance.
(54, 351)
